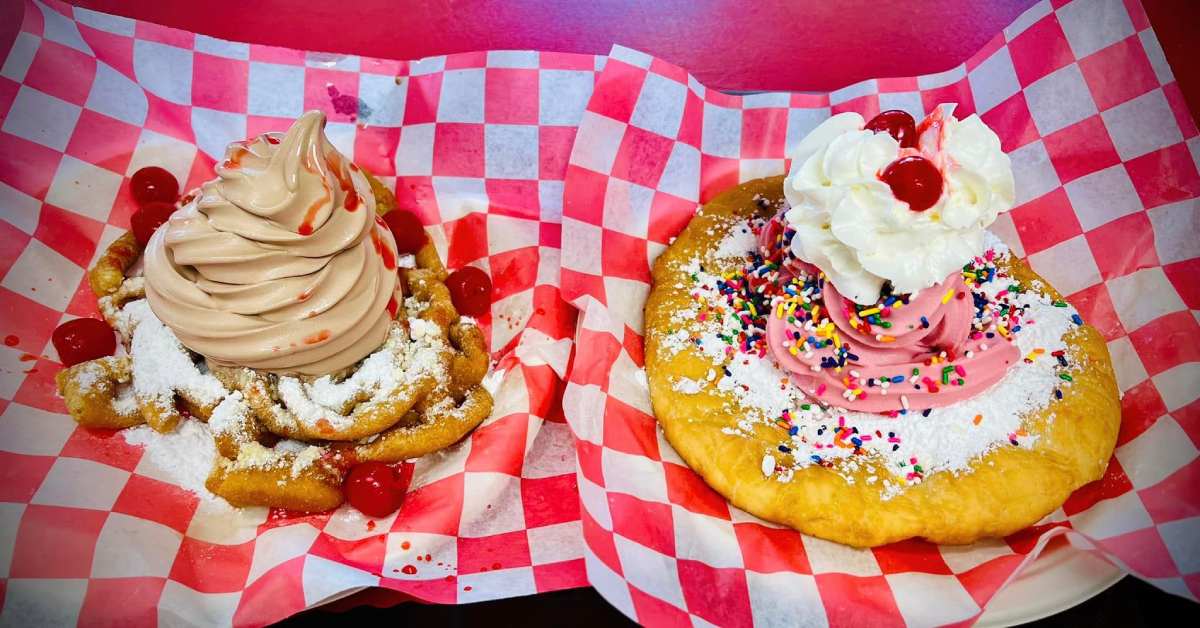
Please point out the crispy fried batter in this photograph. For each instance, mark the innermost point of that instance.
(159, 412)
(368, 418)
(428, 259)
(426, 288)
(440, 426)
(109, 272)
(385, 201)
(470, 361)
(91, 390)
(111, 304)
(274, 480)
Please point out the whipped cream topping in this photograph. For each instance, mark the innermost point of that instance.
(848, 222)
(280, 263)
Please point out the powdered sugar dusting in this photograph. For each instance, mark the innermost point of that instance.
(381, 374)
(125, 402)
(185, 456)
(740, 241)
(161, 364)
(230, 417)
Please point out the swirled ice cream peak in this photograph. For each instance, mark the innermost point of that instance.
(280, 262)
(849, 222)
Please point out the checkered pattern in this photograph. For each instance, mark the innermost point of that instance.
(476, 144)
(1105, 157)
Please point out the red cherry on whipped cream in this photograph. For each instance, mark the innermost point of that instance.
(153, 184)
(914, 180)
(470, 290)
(407, 230)
(83, 339)
(148, 219)
(896, 123)
(374, 488)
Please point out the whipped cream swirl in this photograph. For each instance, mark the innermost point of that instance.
(280, 263)
(849, 224)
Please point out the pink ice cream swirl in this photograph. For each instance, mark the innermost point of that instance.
(905, 352)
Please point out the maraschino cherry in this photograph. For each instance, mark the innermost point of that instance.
(153, 185)
(896, 123)
(914, 180)
(470, 290)
(149, 218)
(407, 230)
(375, 489)
(83, 339)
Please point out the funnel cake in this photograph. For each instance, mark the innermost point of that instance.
(893, 416)
(301, 337)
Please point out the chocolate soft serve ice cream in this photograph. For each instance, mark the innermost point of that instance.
(280, 263)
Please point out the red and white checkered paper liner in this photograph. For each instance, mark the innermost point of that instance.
(1105, 157)
(90, 531)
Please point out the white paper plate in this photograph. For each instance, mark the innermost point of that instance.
(1060, 578)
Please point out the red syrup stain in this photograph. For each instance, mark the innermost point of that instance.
(467, 588)
(389, 256)
(409, 570)
(335, 165)
(495, 566)
(27, 357)
(370, 525)
(235, 157)
(320, 336)
(310, 215)
(405, 545)
(11, 340)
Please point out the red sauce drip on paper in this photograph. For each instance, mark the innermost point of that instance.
(27, 357)
(405, 545)
(320, 336)
(409, 570)
(11, 340)
(371, 525)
